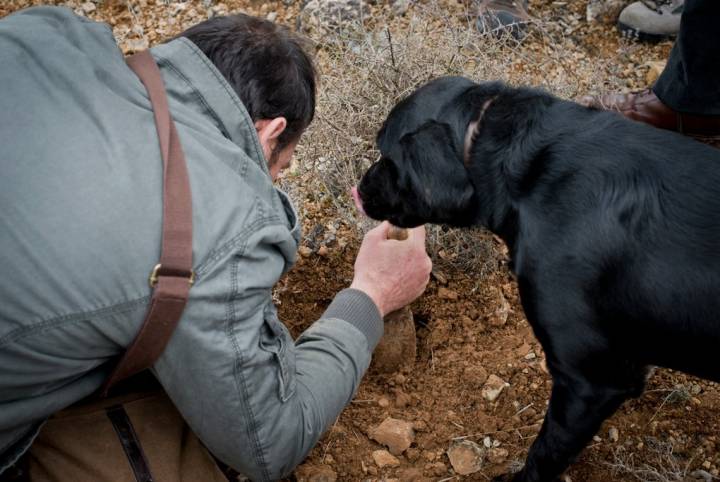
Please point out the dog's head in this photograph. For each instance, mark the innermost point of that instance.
(421, 177)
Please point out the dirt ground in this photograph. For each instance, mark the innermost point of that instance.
(463, 337)
(470, 325)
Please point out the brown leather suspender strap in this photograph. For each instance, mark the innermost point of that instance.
(172, 277)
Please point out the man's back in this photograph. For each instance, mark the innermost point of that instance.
(80, 190)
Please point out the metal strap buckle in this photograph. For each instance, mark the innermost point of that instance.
(155, 275)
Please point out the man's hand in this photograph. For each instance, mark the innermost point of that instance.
(392, 273)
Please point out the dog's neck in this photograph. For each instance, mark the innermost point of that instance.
(494, 211)
(472, 131)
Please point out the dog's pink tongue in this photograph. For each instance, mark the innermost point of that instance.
(358, 201)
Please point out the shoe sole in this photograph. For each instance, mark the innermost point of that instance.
(633, 33)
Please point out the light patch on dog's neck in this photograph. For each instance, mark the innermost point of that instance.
(472, 131)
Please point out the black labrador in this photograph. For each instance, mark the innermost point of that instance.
(613, 229)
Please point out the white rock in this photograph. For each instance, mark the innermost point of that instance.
(497, 455)
(493, 387)
(383, 458)
(466, 457)
(396, 434)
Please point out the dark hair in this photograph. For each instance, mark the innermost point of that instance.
(267, 66)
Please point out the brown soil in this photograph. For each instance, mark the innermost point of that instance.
(462, 341)
(462, 335)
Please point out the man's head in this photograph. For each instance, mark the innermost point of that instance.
(270, 71)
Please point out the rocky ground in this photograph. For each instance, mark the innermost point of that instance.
(470, 403)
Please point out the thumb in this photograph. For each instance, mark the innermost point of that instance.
(380, 231)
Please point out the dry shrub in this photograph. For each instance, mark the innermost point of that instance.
(659, 464)
(367, 68)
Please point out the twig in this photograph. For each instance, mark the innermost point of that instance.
(491, 433)
(660, 407)
(392, 51)
(523, 409)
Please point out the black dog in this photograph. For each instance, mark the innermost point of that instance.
(613, 229)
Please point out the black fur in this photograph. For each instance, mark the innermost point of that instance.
(613, 229)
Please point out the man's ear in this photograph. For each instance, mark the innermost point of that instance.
(268, 131)
(433, 170)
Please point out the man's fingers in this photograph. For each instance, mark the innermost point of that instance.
(381, 231)
(417, 235)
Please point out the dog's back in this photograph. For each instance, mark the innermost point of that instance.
(634, 212)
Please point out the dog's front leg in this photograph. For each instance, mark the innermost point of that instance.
(576, 411)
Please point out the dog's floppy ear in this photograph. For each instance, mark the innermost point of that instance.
(433, 171)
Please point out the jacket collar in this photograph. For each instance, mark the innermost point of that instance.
(191, 77)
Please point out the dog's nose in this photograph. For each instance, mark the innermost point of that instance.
(356, 198)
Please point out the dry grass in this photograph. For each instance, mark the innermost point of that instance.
(367, 69)
(659, 464)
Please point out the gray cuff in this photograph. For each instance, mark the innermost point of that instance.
(359, 310)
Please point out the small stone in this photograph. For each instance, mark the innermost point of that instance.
(396, 434)
(412, 454)
(613, 434)
(383, 402)
(447, 294)
(500, 316)
(439, 276)
(439, 469)
(399, 7)
(493, 387)
(466, 457)
(322, 251)
(524, 349)
(383, 458)
(429, 455)
(324, 16)
(604, 11)
(304, 251)
(177, 8)
(88, 7)
(272, 16)
(475, 375)
(597, 439)
(497, 455)
(315, 473)
(402, 399)
(420, 426)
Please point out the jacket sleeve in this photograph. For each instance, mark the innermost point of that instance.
(258, 400)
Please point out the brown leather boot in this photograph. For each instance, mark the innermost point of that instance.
(644, 106)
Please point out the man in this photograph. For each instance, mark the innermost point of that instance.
(81, 197)
(686, 96)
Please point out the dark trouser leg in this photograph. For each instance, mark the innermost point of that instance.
(575, 413)
(690, 82)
